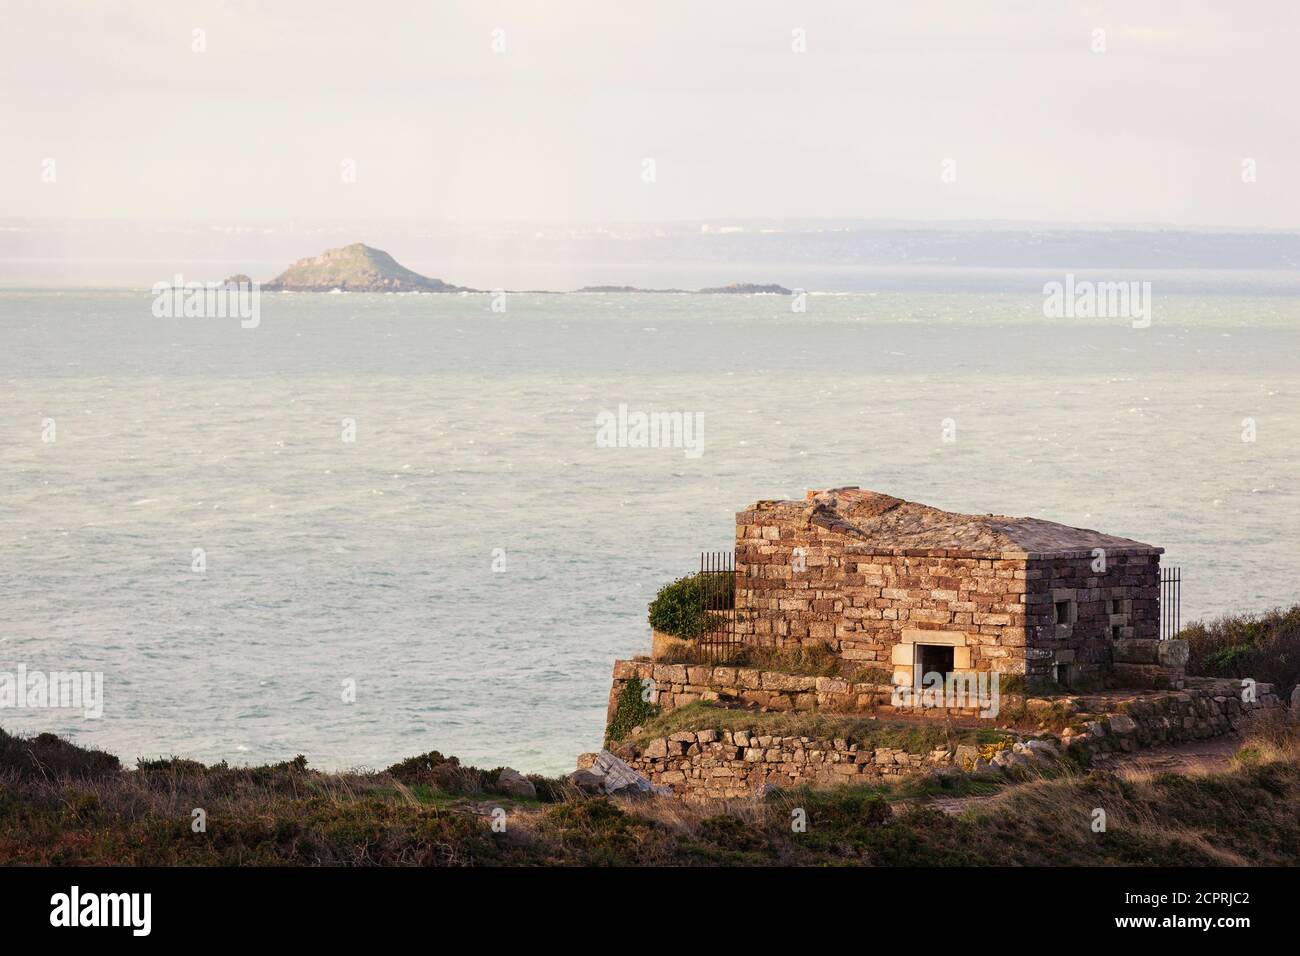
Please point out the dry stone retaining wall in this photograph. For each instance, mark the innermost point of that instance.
(711, 763)
(676, 685)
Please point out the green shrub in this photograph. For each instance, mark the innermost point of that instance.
(631, 710)
(678, 608)
(445, 774)
(46, 755)
(1265, 647)
(420, 769)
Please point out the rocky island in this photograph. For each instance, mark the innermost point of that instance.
(362, 268)
(747, 288)
(355, 268)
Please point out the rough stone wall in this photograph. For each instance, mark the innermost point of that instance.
(676, 685)
(803, 582)
(715, 764)
(709, 764)
(1120, 603)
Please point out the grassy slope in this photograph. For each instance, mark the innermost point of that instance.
(913, 736)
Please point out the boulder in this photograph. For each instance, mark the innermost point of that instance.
(587, 780)
(1121, 724)
(1173, 653)
(515, 784)
(1042, 748)
(620, 779)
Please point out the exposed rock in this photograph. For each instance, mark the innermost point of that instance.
(1121, 724)
(1042, 748)
(621, 779)
(515, 784)
(587, 780)
(1173, 653)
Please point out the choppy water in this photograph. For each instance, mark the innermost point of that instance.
(372, 561)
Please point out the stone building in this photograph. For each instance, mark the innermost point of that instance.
(894, 585)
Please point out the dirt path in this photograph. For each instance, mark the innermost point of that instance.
(1199, 756)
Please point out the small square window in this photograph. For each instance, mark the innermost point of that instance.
(1115, 606)
(1063, 612)
(1116, 632)
(934, 659)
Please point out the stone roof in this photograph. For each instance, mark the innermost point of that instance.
(888, 525)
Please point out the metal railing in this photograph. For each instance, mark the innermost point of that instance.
(1171, 596)
(718, 639)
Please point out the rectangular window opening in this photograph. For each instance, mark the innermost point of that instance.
(934, 659)
(1063, 611)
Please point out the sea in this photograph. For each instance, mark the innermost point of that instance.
(378, 525)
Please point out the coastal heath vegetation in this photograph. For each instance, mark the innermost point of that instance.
(64, 805)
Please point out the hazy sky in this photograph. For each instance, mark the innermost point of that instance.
(558, 126)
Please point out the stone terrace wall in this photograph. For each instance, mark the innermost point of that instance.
(676, 685)
(801, 580)
(707, 764)
(711, 763)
